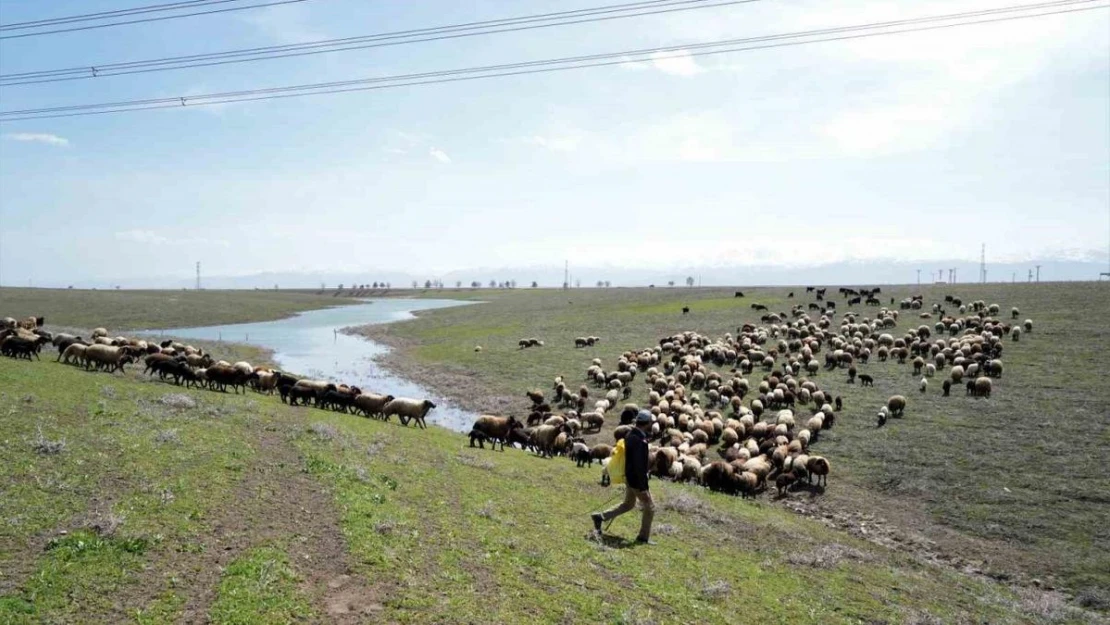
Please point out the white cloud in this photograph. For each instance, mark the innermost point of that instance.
(679, 63)
(150, 237)
(555, 143)
(38, 137)
(439, 155)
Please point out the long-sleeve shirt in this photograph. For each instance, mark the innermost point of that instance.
(636, 459)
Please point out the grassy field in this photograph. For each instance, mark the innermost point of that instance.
(120, 311)
(1015, 486)
(128, 500)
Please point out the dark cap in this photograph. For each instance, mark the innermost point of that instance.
(643, 417)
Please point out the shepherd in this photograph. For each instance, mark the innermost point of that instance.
(635, 478)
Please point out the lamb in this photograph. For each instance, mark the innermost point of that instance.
(371, 404)
(924, 385)
(99, 332)
(946, 387)
(1028, 325)
(897, 405)
(496, 429)
(1015, 334)
(408, 410)
(866, 380)
(884, 413)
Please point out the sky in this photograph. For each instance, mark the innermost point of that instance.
(913, 146)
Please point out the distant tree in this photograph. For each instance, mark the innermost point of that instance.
(340, 287)
(600, 284)
(427, 284)
(577, 284)
(70, 287)
(375, 285)
(608, 284)
(275, 287)
(513, 283)
(415, 284)
(323, 286)
(389, 285)
(690, 281)
(493, 284)
(535, 285)
(474, 284)
(670, 283)
(458, 284)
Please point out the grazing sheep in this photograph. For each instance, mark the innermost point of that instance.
(982, 387)
(957, 374)
(883, 415)
(897, 405)
(1028, 325)
(99, 332)
(535, 396)
(1015, 334)
(866, 380)
(593, 420)
(924, 385)
(946, 387)
(818, 466)
(408, 410)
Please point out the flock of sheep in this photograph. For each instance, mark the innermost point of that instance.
(186, 365)
(703, 431)
(717, 429)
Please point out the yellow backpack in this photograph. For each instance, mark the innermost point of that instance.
(616, 464)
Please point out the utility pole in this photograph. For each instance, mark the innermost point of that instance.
(1038, 273)
(954, 275)
(918, 277)
(1030, 275)
(198, 275)
(1013, 277)
(983, 264)
(566, 274)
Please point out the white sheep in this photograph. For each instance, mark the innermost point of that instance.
(409, 409)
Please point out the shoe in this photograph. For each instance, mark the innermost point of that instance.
(597, 521)
(644, 541)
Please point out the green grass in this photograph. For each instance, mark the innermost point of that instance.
(154, 513)
(1015, 483)
(120, 311)
(260, 587)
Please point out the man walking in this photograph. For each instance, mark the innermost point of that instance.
(636, 479)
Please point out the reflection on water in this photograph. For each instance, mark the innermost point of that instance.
(311, 344)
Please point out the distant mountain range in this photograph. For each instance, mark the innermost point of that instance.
(847, 273)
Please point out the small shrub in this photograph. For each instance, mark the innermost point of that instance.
(179, 401)
(45, 446)
(167, 436)
(476, 463)
(1093, 598)
(717, 590)
(324, 431)
(385, 528)
(684, 503)
(827, 556)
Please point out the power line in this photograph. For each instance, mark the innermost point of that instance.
(455, 31)
(88, 17)
(150, 19)
(536, 67)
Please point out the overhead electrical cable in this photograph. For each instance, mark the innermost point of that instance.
(149, 19)
(567, 63)
(89, 17)
(456, 31)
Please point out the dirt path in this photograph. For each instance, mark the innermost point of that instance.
(279, 503)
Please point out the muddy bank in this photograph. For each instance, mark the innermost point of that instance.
(451, 381)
